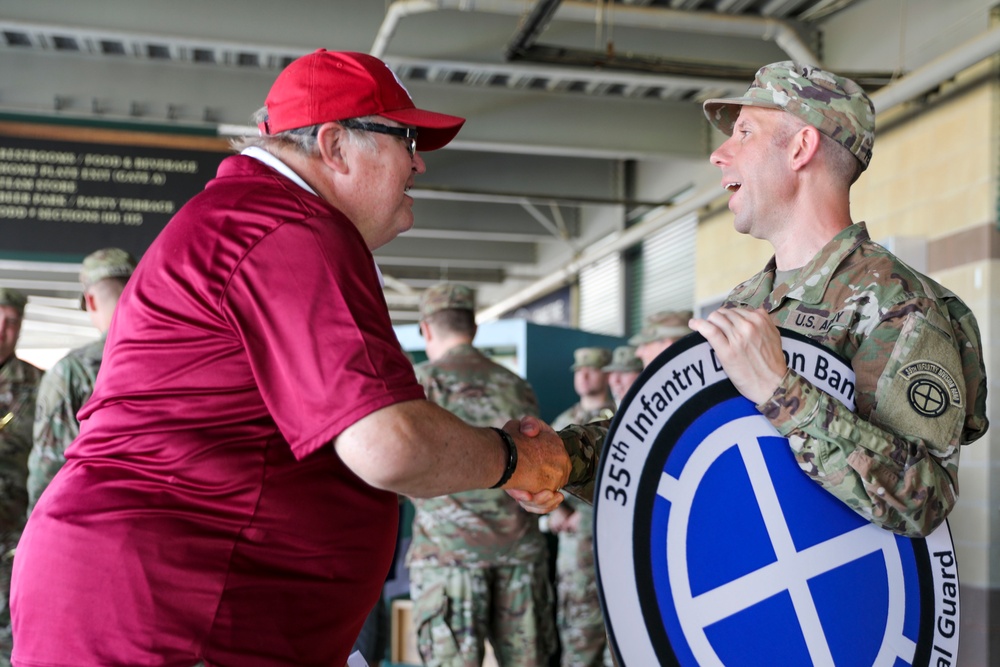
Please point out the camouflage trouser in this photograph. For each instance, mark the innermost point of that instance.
(455, 609)
(6, 646)
(581, 623)
(8, 542)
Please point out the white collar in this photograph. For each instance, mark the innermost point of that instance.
(258, 153)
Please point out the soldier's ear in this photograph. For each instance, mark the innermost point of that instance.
(89, 302)
(803, 146)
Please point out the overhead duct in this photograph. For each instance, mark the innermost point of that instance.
(523, 46)
(631, 16)
(937, 71)
(532, 27)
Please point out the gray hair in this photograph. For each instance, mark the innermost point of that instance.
(302, 139)
(843, 163)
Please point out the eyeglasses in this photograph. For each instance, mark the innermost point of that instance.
(407, 133)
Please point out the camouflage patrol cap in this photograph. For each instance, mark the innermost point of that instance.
(834, 105)
(623, 359)
(590, 357)
(13, 298)
(106, 263)
(446, 295)
(664, 324)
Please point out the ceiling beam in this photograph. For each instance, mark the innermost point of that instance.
(429, 252)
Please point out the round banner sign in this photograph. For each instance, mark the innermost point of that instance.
(714, 548)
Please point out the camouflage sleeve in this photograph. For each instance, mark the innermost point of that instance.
(583, 444)
(54, 429)
(425, 380)
(17, 409)
(895, 460)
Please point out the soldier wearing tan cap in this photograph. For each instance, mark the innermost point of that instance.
(69, 383)
(18, 388)
(591, 384)
(477, 550)
(581, 623)
(623, 370)
(446, 296)
(660, 331)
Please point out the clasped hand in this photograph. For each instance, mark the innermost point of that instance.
(546, 456)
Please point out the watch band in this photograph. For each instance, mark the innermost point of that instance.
(511, 457)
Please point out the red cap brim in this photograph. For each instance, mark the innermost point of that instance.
(434, 130)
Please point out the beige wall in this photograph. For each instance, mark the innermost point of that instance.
(934, 174)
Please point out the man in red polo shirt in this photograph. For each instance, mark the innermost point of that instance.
(202, 514)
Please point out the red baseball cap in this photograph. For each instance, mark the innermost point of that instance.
(327, 86)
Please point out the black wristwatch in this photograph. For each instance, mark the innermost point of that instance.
(511, 457)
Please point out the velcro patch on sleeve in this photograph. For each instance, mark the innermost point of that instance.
(930, 388)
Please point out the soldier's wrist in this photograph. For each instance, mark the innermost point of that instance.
(511, 460)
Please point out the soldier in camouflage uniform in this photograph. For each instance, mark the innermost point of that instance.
(69, 383)
(581, 623)
(591, 385)
(799, 138)
(659, 332)
(623, 371)
(478, 563)
(18, 387)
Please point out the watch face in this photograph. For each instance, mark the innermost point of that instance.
(714, 548)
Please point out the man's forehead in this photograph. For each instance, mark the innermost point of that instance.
(769, 119)
(750, 114)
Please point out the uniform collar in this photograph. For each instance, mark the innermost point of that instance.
(812, 280)
(14, 369)
(460, 350)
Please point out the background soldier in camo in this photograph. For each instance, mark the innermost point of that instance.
(18, 387)
(69, 383)
(659, 332)
(623, 371)
(799, 138)
(478, 563)
(581, 624)
(591, 384)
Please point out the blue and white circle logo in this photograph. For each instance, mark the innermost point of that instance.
(713, 548)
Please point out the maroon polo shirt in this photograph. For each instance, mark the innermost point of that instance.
(202, 512)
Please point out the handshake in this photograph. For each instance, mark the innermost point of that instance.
(545, 465)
